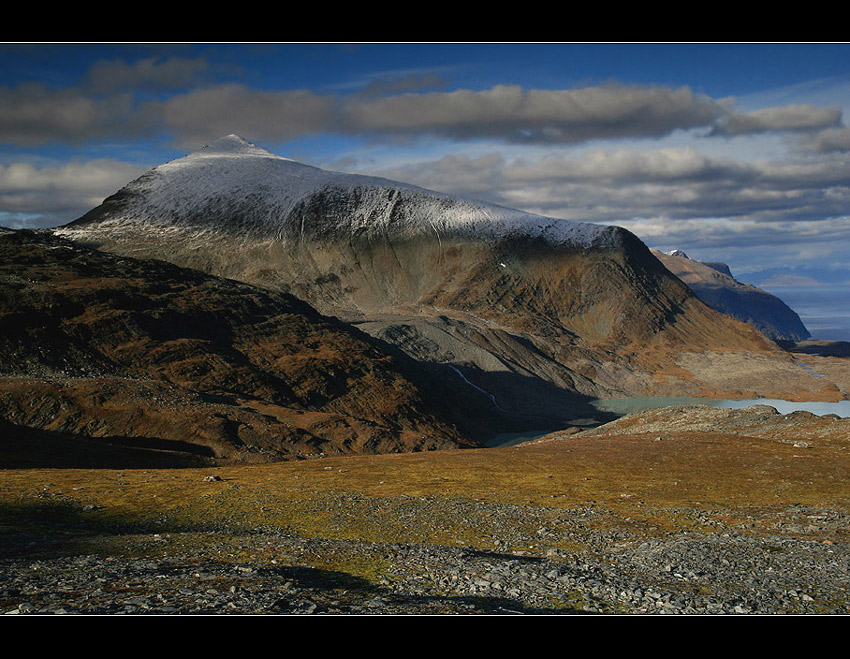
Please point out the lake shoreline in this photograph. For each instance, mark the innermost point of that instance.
(625, 406)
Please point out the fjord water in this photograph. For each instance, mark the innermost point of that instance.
(823, 308)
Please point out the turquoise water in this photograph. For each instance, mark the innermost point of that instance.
(623, 406)
(629, 405)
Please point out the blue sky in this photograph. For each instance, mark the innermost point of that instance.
(734, 152)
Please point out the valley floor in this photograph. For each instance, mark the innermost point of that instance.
(688, 522)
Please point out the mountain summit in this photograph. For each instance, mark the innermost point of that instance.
(234, 145)
(235, 187)
(529, 311)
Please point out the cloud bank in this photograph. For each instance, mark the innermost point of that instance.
(33, 196)
(114, 102)
(590, 153)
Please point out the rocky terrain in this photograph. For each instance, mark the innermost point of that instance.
(714, 284)
(245, 385)
(720, 515)
(800, 428)
(164, 362)
(692, 573)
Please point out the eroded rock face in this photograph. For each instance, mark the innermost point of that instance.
(161, 358)
(505, 297)
(714, 284)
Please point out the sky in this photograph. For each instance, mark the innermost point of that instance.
(732, 152)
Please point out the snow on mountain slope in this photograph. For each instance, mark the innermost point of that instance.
(530, 309)
(235, 186)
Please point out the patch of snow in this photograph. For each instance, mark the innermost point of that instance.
(234, 185)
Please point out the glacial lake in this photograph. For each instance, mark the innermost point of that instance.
(623, 406)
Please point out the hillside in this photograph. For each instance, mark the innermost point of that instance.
(528, 309)
(714, 284)
(164, 365)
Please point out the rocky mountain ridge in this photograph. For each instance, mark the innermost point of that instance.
(531, 310)
(714, 284)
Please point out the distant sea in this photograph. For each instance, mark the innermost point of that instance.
(823, 308)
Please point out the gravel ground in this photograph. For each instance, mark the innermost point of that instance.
(582, 560)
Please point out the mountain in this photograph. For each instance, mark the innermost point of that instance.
(714, 284)
(141, 362)
(790, 280)
(527, 310)
(800, 275)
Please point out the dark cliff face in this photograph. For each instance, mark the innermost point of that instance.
(160, 358)
(713, 284)
(764, 311)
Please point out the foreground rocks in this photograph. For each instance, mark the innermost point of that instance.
(712, 512)
(574, 562)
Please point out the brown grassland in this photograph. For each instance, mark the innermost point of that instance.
(649, 484)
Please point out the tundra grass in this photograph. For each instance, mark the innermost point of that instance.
(640, 482)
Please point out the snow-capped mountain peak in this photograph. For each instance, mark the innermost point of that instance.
(233, 186)
(234, 145)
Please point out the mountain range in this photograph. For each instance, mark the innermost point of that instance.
(714, 284)
(488, 289)
(346, 313)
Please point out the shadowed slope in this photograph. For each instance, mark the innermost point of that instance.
(96, 345)
(713, 283)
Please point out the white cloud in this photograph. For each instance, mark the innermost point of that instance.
(602, 185)
(514, 114)
(675, 197)
(32, 115)
(201, 116)
(798, 117)
(152, 73)
(678, 166)
(51, 195)
(833, 140)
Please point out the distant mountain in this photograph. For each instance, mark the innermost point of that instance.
(527, 310)
(802, 275)
(790, 280)
(146, 363)
(714, 284)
